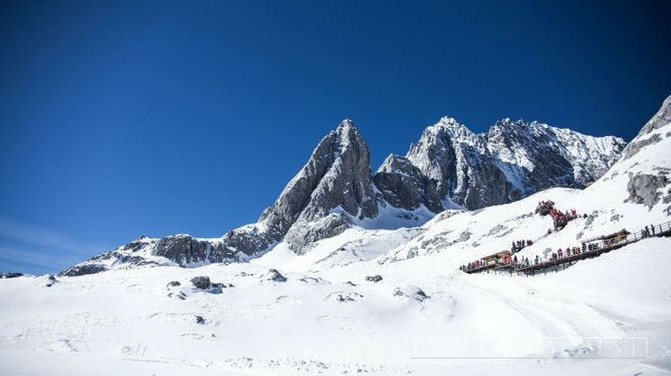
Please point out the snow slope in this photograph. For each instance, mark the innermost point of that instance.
(609, 315)
(123, 322)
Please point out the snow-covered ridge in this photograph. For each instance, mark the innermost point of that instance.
(510, 161)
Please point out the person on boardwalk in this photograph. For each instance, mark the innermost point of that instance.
(653, 229)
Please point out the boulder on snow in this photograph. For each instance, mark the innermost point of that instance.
(412, 292)
(345, 296)
(51, 280)
(644, 188)
(374, 278)
(173, 284)
(200, 320)
(274, 275)
(218, 287)
(180, 295)
(201, 282)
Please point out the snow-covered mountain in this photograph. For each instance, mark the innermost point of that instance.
(372, 300)
(511, 161)
(449, 168)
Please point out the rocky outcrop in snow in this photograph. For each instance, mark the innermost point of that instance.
(648, 187)
(180, 249)
(644, 137)
(644, 188)
(662, 118)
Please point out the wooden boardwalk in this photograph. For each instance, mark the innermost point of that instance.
(594, 248)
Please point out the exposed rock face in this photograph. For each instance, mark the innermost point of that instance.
(403, 185)
(180, 249)
(337, 176)
(661, 118)
(303, 234)
(84, 269)
(511, 161)
(185, 249)
(644, 188)
(245, 242)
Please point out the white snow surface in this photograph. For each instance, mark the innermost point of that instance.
(425, 317)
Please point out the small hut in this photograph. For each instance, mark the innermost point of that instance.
(615, 238)
(500, 258)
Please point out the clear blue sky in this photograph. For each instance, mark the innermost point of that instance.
(126, 118)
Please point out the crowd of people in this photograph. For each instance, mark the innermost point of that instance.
(559, 254)
(560, 218)
(523, 261)
(518, 245)
(477, 264)
(544, 207)
(648, 231)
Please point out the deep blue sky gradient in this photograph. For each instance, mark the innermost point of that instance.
(126, 118)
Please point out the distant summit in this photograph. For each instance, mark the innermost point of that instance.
(512, 160)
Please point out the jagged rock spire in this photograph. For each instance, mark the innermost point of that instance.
(336, 177)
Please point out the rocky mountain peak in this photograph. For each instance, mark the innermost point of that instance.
(507, 125)
(447, 127)
(394, 163)
(348, 135)
(512, 160)
(336, 178)
(345, 125)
